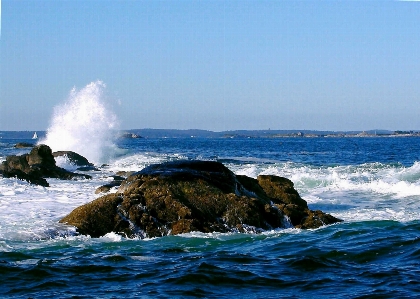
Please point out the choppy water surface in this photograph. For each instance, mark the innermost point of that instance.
(371, 183)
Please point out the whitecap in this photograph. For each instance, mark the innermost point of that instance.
(111, 237)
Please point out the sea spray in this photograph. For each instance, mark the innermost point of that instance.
(83, 124)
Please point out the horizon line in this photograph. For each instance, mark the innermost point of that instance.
(232, 130)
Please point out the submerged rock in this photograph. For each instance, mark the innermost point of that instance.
(36, 166)
(24, 145)
(184, 196)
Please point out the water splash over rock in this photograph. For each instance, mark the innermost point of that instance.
(83, 124)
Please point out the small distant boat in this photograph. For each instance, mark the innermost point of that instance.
(35, 136)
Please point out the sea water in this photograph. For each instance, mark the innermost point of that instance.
(373, 184)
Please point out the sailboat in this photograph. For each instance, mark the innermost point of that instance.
(35, 136)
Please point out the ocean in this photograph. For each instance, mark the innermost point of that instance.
(373, 184)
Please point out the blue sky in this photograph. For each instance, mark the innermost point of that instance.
(216, 65)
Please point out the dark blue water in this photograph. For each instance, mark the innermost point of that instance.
(316, 151)
(357, 260)
(376, 257)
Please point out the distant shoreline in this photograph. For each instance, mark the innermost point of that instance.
(195, 133)
(172, 133)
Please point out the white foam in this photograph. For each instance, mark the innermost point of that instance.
(398, 181)
(83, 124)
(369, 191)
(135, 162)
(111, 237)
(138, 161)
(143, 258)
(28, 262)
(64, 162)
(32, 212)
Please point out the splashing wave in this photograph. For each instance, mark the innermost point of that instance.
(83, 124)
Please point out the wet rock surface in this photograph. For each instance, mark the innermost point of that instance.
(184, 196)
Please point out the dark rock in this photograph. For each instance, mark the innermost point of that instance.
(29, 177)
(41, 155)
(23, 145)
(35, 167)
(118, 178)
(281, 189)
(87, 168)
(184, 196)
(73, 157)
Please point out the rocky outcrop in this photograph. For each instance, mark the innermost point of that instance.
(36, 166)
(184, 196)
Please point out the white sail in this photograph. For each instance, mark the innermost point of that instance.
(35, 136)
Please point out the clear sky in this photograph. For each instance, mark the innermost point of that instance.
(216, 65)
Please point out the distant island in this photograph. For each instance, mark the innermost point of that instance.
(172, 133)
(196, 133)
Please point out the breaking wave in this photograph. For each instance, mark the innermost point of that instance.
(84, 124)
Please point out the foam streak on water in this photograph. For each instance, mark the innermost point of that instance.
(83, 124)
